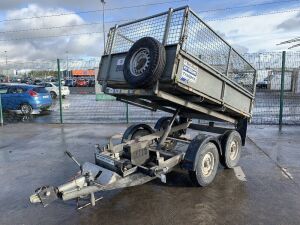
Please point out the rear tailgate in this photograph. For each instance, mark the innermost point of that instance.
(43, 95)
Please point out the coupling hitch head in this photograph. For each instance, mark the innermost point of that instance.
(44, 195)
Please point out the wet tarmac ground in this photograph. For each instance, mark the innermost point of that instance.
(32, 155)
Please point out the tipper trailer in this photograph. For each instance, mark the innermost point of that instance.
(176, 63)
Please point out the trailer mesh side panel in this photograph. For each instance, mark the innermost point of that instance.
(241, 72)
(127, 35)
(152, 27)
(203, 43)
(175, 27)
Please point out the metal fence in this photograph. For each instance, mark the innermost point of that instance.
(278, 87)
(275, 101)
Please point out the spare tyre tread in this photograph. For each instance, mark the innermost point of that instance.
(149, 77)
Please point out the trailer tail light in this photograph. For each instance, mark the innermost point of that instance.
(33, 93)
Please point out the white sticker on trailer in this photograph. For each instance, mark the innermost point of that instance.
(189, 72)
(120, 62)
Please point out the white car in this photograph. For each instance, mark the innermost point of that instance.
(53, 89)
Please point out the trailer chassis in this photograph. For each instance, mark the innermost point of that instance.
(133, 162)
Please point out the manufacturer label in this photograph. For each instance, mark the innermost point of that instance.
(189, 72)
(120, 64)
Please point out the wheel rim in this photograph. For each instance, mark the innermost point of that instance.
(207, 164)
(234, 150)
(140, 61)
(25, 109)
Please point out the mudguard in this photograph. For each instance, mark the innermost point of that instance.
(162, 120)
(194, 148)
(133, 128)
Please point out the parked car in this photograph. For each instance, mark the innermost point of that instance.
(25, 98)
(7, 84)
(70, 83)
(81, 83)
(37, 82)
(262, 84)
(54, 80)
(53, 89)
(26, 81)
(91, 83)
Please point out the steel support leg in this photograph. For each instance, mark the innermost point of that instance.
(167, 130)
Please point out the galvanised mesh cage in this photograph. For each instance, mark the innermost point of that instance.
(125, 35)
(240, 71)
(204, 44)
(195, 37)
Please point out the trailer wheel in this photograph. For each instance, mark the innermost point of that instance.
(144, 62)
(231, 144)
(136, 131)
(206, 165)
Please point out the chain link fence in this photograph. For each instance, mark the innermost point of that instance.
(82, 101)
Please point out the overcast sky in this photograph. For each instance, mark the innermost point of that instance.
(246, 33)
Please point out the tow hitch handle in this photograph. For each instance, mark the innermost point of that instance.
(73, 158)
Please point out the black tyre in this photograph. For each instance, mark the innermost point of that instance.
(53, 94)
(144, 62)
(206, 165)
(231, 144)
(136, 131)
(26, 109)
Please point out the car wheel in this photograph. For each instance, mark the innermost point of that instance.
(53, 94)
(26, 109)
(144, 62)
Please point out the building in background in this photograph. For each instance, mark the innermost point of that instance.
(83, 74)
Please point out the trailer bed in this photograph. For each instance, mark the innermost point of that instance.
(204, 75)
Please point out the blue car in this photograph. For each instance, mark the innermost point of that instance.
(25, 98)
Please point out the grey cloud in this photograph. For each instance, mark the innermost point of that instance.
(240, 48)
(290, 24)
(48, 48)
(13, 4)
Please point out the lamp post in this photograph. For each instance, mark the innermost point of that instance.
(68, 75)
(5, 53)
(103, 24)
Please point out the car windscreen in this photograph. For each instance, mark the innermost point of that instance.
(40, 90)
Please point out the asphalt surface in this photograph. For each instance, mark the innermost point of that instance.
(32, 155)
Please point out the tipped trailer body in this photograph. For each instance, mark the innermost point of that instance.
(202, 72)
(176, 63)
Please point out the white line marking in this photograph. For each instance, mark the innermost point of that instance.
(239, 173)
(286, 173)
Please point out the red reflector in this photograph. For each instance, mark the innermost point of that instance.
(33, 93)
